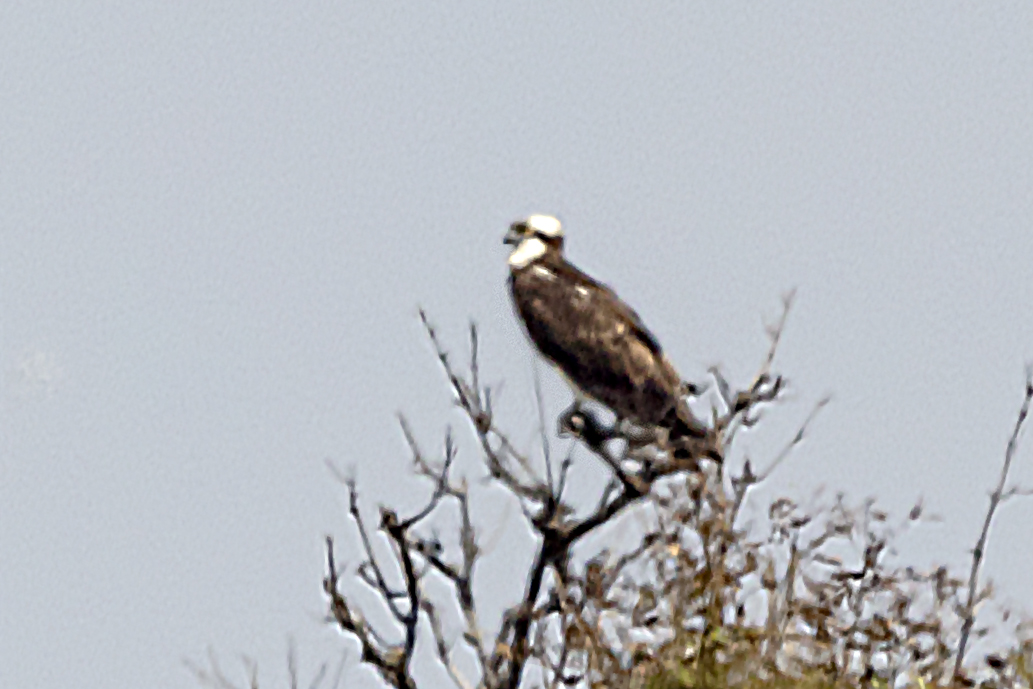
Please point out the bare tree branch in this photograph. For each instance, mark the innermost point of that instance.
(995, 499)
(685, 576)
(387, 661)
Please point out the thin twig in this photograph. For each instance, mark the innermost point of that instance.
(798, 438)
(763, 389)
(378, 575)
(995, 499)
(742, 484)
(540, 403)
(422, 467)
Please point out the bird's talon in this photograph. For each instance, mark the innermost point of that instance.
(571, 422)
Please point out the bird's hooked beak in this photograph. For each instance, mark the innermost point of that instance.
(515, 235)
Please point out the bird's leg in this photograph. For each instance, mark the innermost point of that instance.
(629, 430)
(636, 436)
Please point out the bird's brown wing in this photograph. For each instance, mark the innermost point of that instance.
(610, 300)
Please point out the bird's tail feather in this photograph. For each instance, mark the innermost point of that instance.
(690, 438)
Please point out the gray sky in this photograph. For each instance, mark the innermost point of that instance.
(217, 222)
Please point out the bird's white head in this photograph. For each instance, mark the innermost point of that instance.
(533, 237)
(544, 225)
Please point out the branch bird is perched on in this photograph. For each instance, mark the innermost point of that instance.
(598, 343)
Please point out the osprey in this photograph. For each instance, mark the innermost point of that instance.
(598, 343)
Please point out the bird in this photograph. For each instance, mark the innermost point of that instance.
(595, 340)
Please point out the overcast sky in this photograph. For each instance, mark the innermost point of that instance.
(217, 222)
